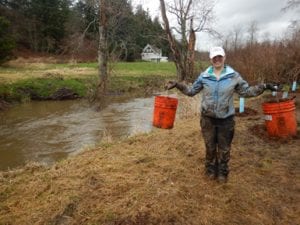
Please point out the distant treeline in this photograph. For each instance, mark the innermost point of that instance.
(70, 28)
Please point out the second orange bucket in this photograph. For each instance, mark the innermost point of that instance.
(164, 112)
(280, 118)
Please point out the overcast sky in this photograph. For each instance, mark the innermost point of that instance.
(232, 14)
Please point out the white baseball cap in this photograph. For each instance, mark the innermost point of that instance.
(214, 51)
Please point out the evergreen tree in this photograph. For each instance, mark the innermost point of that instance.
(57, 25)
(49, 17)
(6, 41)
(39, 24)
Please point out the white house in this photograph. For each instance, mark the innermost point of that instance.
(153, 54)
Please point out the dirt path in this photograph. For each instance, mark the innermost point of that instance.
(158, 178)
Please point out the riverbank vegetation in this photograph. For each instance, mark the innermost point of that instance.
(45, 81)
(158, 178)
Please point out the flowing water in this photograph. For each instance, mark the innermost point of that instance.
(48, 131)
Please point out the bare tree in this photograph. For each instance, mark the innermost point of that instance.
(103, 48)
(237, 34)
(252, 32)
(294, 68)
(191, 16)
(109, 17)
(291, 4)
(233, 39)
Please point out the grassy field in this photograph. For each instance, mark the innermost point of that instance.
(21, 80)
(15, 71)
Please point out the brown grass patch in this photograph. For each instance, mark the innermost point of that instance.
(158, 178)
(23, 69)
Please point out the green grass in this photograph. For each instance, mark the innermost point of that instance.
(145, 68)
(23, 81)
(15, 71)
(40, 87)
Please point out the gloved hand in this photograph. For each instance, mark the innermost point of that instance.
(273, 86)
(170, 85)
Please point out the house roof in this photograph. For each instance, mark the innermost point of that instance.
(155, 49)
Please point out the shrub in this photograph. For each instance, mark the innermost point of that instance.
(268, 61)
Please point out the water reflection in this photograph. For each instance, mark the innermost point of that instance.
(48, 131)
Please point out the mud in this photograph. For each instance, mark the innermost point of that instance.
(3, 105)
(64, 94)
(247, 112)
(61, 94)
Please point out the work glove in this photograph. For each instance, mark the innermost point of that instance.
(273, 86)
(170, 85)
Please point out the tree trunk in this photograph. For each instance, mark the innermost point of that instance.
(186, 12)
(102, 52)
(191, 53)
(172, 42)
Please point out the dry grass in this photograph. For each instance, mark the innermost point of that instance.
(158, 178)
(18, 71)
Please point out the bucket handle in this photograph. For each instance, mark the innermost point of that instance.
(168, 94)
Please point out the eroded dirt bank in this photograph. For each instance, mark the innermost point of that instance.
(158, 178)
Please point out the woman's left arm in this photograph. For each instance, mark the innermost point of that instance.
(244, 90)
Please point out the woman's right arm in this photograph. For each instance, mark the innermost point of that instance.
(185, 89)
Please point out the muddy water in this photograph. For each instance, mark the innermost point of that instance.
(46, 132)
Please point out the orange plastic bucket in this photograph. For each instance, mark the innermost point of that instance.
(280, 118)
(164, 112)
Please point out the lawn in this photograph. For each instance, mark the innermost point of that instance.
(21, 80)
(14, 71)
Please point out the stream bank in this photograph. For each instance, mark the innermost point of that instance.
(158, 178)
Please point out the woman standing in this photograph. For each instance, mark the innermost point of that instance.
(218, 84)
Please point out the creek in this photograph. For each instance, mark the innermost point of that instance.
(48, 131)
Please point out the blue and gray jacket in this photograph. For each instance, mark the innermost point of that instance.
(217, 95)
